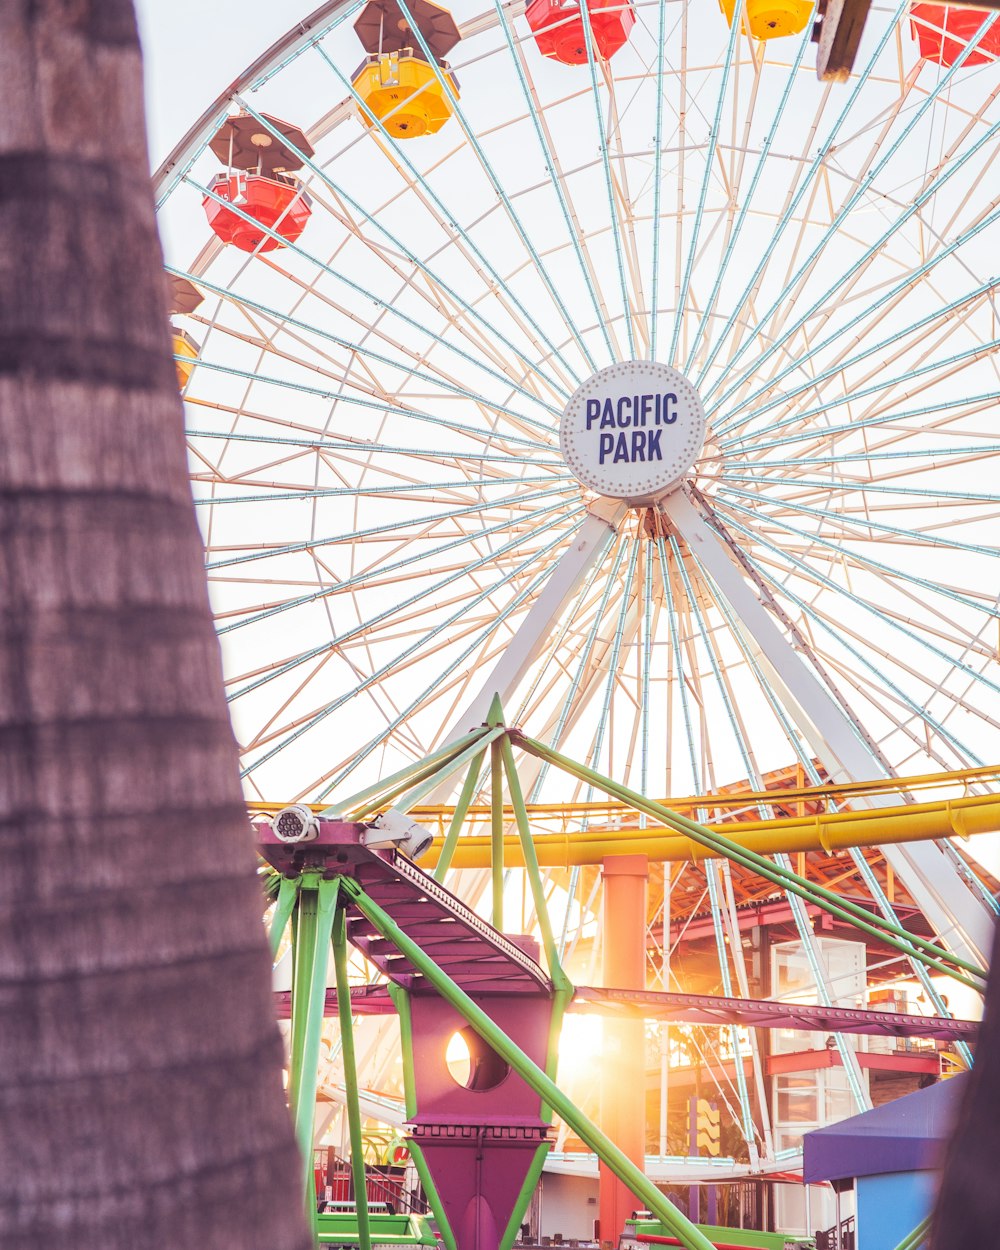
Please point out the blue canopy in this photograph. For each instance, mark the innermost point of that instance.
(905, 1135)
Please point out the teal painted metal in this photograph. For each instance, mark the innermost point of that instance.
(393, 449)
(386, 306)
(366, 352)
(550, 167)
(747, 199)
(610, 582)
(654, 295)
(421, 264)
(950, 168)
(816, 576)
(442, 209)
(512, 214)
(964, 754)
(531, 1074)
(868, 522)
(613, 214)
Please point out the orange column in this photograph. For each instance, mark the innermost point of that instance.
(623, 1068)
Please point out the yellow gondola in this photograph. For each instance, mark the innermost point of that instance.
(771, 19)
(184, 345)
(404, 93)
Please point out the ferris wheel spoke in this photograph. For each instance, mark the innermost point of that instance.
(344, 443)
(935, 182)
(825, 434)
(384, 671)
(626, 623)
(856, 527)
(847, 486)
(553, 668)
(676, 655)
(732, 241)
(374, 405)
(364, 579)
(654, 311)
(966, 599)
(385, 305)
(940, 178)
(609, 182)
(574, 700)
(679, 318)
(792, 202)
(558, 182)
(510, 210)
(444, 219)
(834, 627)
(900, 347)
(287, 323)
(813, 574)
(255, 551)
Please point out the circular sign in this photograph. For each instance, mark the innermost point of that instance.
(633, 430)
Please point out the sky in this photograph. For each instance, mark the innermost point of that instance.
(192, 49)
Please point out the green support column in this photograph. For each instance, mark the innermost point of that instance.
(317, 900)
(458, 816)
(351, 1078)
(687, 1233)
(288, 890)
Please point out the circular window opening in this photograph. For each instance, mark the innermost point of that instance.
(472, 1063)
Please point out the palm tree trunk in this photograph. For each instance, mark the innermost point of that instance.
(140, 1092)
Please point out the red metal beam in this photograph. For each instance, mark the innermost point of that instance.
(765, 1014)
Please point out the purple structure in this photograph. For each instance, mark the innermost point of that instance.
(479, 1138)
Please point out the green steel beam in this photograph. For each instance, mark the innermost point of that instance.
(893, 935)
(458, 816)
(288, 891)
(351, 1079)
(559, 978)
(687, 1233)
(313, 928)
(375, 795)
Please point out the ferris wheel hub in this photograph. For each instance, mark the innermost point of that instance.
(633, 430)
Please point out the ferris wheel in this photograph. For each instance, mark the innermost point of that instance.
(392, 279)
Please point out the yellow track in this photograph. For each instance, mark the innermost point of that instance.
(613, 828)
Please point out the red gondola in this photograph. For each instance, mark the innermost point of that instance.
(257, 181)
(944, 31)
(558, 28)
(279, 206)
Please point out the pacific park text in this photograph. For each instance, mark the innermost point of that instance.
(634, 412)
